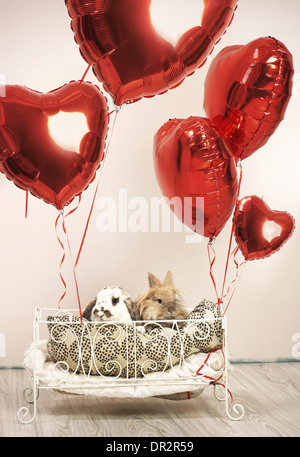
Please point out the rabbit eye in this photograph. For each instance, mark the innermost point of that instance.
(159, 300)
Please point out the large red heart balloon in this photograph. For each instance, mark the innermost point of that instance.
(192, 160)
(31, 158)
(260, 231)
(128, 56)
(247, 90)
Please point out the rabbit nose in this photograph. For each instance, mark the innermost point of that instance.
(171, 311)
(98, 313)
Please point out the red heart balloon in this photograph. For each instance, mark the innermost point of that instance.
(131, 60)
(31, 158)
(260, 231)
(247, 90)
(192, 160)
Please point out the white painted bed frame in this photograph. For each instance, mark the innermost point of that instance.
(88, 384)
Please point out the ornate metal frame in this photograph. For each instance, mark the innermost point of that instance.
(221, 390)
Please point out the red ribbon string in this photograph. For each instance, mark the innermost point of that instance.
(62, 260)
(220, 300)
(26, 205)
(198, 372)
(87, 223)
(215, 381)
(232, 230)
(75, 207)
(227, 260)
(237, 266)
(211, 264)
(73, 268)
(85, 73)
(237, 276)
(95, 194)
(63, 217)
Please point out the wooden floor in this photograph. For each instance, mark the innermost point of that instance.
(269, 392)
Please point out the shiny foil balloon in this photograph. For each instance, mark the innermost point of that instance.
(31, 158)
(197, 173)
(129, 57)
(260, 231)
(247, 90)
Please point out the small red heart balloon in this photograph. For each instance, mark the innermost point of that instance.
(128, 56)
(192, 160)
(247, 90)
(30, 157)
(260, 231)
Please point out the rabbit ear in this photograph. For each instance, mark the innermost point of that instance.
(168, 281)
(88, 310)
(133, 309)
(153, 281)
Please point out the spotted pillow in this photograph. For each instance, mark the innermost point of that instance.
(134, 349)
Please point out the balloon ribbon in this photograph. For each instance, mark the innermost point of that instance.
(95, 193)
(85, 73)
(63, 217)
(26, 205)
(215, 381)
(198, 372)
(230, 244)
(212, 260)
(220, 299)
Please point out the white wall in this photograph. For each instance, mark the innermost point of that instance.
(37, 49)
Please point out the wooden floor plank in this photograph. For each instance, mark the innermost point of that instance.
(269, 392)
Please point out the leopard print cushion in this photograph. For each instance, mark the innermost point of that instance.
(134, 349)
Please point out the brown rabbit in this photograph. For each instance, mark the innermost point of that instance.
(162, 301)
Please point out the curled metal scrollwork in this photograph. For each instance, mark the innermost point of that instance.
(125, 353)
